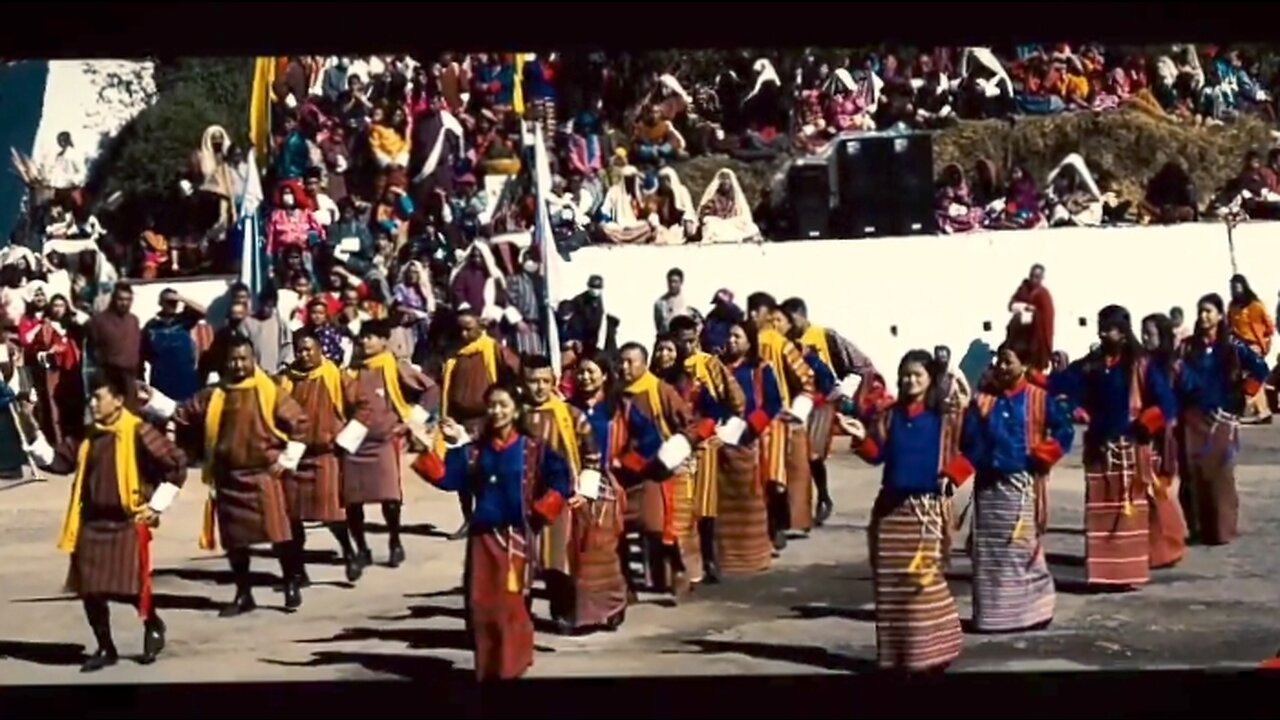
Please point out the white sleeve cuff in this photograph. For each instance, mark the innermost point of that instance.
(730, 431)
(491, 313)
(465, 439)
(292, 455)
(849, 386)
(163, 497)
(351, 437)
(418, 415)
(41, 451)
(674, 451)
(800, 409)
(160, 405)
(214, 379)
(589, 484)
(512, 315)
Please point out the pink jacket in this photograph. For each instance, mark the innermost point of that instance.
(291, 227)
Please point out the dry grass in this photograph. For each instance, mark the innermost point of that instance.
(1122, 148)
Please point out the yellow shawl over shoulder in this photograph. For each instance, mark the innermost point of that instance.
(265, 391)
(487, 347)
(699, 366)
(385, 363)
(328, 374)
(648, 385)
(566, 431)
(816, 338)
(773, 351)
(125, 430)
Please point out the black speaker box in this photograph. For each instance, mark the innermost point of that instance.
(809, 194)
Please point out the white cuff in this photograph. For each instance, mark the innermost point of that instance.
(465, 439)
(418, 415)
(848, 387)
(491, 313)
(800, 409)
(730, 431)
(352, 436)
(291, 456)
(589, 484)
(160, 405)
(674, 451)
(512, 315)
(163, 497)
(214, 378)
(40, 451)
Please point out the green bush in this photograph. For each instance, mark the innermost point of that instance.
(150, 154)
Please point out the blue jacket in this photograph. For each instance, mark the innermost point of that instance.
(496, 475)
(996, 437)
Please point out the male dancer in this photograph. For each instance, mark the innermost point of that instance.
(252, 433)
(127, 474)
(714, 396)
(844, 359)
(374, 438)
(479, 363)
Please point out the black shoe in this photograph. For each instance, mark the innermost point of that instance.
(564, 627)
(104, 657)
(615, 621)
(780, 540)
(396, 556)
(711, 574)
(293, 594)
(243, 603)
(354, 568)
(304, 580)
(365, 558)
(825, 508)
(461, 533)
(152, 641)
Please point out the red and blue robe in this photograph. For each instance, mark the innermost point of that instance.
(743, 545)
(519, 485)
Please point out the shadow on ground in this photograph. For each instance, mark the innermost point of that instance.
(798, 654)
(408, 667)
(38, 653)
(218, 577)
(418, 529)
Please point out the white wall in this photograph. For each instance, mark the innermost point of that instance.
(80, 98)
(940, 289)
(204, 290)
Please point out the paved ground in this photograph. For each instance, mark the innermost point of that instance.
(811, 614)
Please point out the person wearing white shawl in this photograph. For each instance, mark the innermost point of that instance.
(724, 212)
(623, 216)
(476, 283)
(681, 219)
(1073, 197)
(215, 174)
(448, 125)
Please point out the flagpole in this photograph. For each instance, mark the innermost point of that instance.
(546, 241)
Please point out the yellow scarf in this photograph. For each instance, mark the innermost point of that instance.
(328, 374)
(125, 430)
(648, 385)
(816, 338)
(772, 350)
(699, 366)
(265, 390)
(488, 349)
(385, 363)
(565, 431)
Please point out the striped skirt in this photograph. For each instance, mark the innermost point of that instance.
(1116, 522)
(251, 509)
(314, 492)
(743, 546)
(496, 580)
(1012, 587)
(109, 559)
(821, 431)
(799, 480)
(1212, 443)
(917, 627)
(600, 589)
(553, 544)
(1168, 527)
(706, 479)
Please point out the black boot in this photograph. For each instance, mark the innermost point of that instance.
(395, 550)
(243, 602)
(355, 523)
(818, 469)
(293, 569)
(293, 592)
(153, 639)
(707, 541)
(298, 549)
(343, 536)
(99, 616)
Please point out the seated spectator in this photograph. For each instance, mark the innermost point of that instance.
(986, 190)
(337, 160)
(495, 153)
(724, 212)
(655, 139)
(584, 152)
(392, 214)
(1170, 197)
(438, 139)
(387, 140)
(1234, 90)
(1073, 198)
(1253, 191)
(672, 204)
(956, 212)
(354, 106)
(623, 218)
(847, 106)
(1022, 203)
(156, 254)
(292, 223)
(933, 103)
(762, 110)
(214, 183)
(323, 206)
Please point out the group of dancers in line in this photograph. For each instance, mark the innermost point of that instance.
(711, 459)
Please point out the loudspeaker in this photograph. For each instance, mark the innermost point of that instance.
(912, 182)
(864, 165)
(809, 193)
